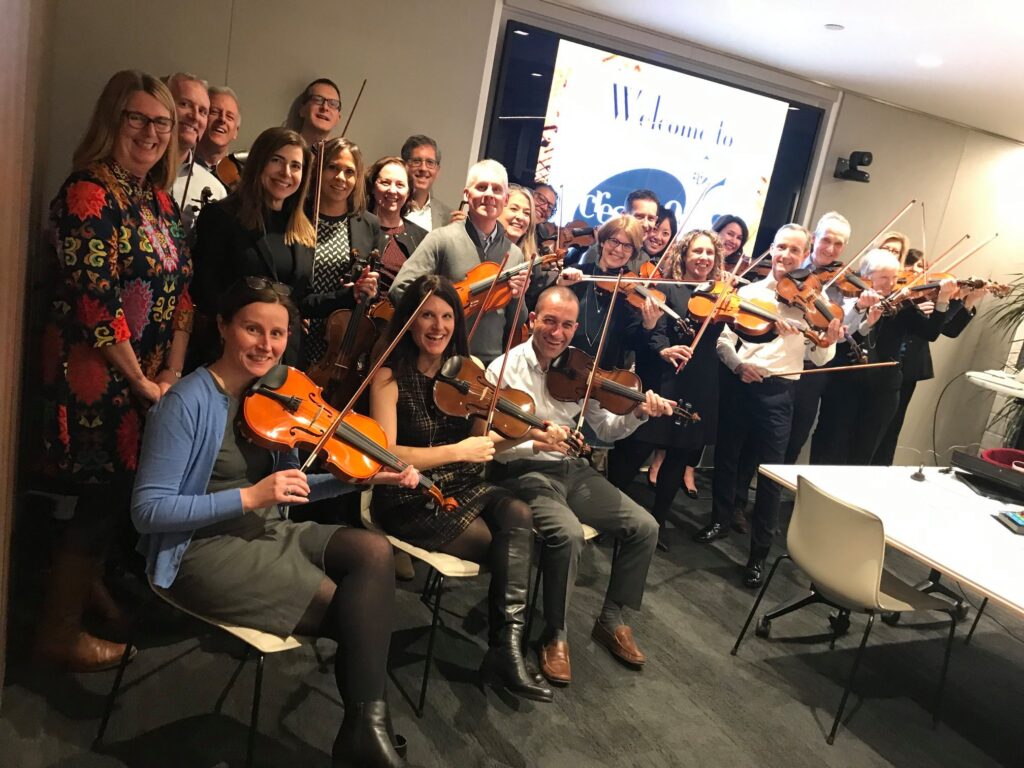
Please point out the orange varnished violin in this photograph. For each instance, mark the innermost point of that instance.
(284, 410)
(748, 317)
(486, 286)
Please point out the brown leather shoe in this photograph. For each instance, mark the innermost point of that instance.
(619, 643)
(554, 662)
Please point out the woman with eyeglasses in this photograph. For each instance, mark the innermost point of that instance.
(387, 184)
(262, 229)
(114, 343)
(208, 505)
(316, 111)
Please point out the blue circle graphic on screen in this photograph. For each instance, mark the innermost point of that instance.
(606, 200)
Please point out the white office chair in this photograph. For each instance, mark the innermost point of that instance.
(842, 549)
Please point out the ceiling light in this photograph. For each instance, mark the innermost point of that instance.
(537, 74)
(522, 32)
(928, 61)
(834, 27)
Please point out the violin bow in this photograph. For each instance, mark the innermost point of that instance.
(508, 346)
(922, 276)
(866, 248)
(752, 264)
(316, 195)
(600, 351)
(837, 369)
(487, 297)
(329, 432)
(344, 131)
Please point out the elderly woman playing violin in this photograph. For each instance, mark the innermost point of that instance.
(207, 505)
(856, 408)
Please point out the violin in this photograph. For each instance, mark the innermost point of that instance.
(229, 171)
(635, 294)
(929, 291)
(475, 288)
(576, 233)
(751, 318)
(618, 391)
(802, 289)
(849, 283)
(285, 410)
(351, 336)
(461, 389)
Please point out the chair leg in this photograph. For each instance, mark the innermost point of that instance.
(757, 602)
(795, 605)
(256, 695)
(840, 625)
(430, 645)
(429, 585)
(532, 607)
(977, 618)
(945, 667)
(108, 708)
(849, 683)
(231, 681)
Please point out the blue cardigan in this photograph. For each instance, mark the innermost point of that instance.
(183, 435)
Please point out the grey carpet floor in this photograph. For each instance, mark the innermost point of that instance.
(692, 705)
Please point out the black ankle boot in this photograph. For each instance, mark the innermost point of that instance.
(510, 574)
(363, 740)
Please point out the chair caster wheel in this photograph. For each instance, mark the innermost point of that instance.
(962, 611)
(840, 624)
(763, 628)
(892, 619)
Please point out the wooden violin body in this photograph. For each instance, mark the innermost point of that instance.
(285, 410)
(475, 288)
(802, 289)
(618, 391)
(461, 389)
(849, 283)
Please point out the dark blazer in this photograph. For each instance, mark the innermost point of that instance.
(364, 233)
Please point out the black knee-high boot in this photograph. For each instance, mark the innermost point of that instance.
(510, 574)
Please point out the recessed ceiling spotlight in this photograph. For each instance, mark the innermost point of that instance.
(834, 27)
(537, 74)
(522, 32)
(928, 61)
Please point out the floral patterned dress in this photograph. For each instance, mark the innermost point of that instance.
(123, 275)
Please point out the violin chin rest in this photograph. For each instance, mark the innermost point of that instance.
(272, 379)
(451, 367)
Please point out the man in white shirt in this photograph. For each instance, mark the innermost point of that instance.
(192, 103)
(422, 159)
(756, 406)
(563, 492)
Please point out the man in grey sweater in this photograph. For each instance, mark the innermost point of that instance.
(454, 249)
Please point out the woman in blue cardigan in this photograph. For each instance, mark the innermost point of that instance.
(207, 503)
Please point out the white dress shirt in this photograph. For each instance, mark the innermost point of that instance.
(783, 353)
(523, 372)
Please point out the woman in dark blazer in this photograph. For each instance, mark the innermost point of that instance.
(387, 187)
(261, 229)
(343, 226)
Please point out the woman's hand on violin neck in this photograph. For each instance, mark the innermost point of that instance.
(288, 486)
(457, 215)
(517, 284)
(750, 373)
(654, 405)
(569, 276)
(367, 285)
(407, 478)
(926, 308)
(874, 313)
(868, 299)
(836, 331)
(651, 314)
(947, 288)
(971, 298)
(477, 450)
(676, 355)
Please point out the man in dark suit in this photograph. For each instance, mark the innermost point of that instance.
(423, 160)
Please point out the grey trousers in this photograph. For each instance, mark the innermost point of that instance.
(564, 494)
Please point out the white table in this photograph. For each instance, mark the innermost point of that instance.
(939, 521)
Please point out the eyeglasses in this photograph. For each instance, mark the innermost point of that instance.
(321, 100)
(139, 121)
(617, 245)
(422, 162)
(893, 249)
(261, 284)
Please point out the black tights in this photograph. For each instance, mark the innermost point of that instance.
(628, 456)
(355, 608)
(501, 513)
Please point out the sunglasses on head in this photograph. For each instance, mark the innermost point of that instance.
(262, 283)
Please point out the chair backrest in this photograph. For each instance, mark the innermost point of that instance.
(839, 546)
